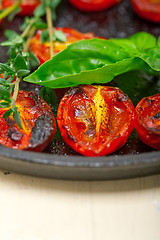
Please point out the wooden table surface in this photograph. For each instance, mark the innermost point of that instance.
(46, 209)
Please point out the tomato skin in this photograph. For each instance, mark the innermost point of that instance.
(37, 120)
(95, 120)
(27, 6)
(93, 5)
(147, 9)
(147, 121)
(42, 50)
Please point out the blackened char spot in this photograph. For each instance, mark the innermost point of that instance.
(10, 121)
(41, 131)
(14, 134)
(122, 98)
(149, 101)
(71, 137)
(157, 115)
(75, 90)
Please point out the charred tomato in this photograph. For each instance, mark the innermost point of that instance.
(93, 5)
(147, 121)
(147, 9)
(95, 120)
(37, 120)
(27, 6)
(42, 50)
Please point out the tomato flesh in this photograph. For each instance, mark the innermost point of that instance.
(42, 50)
(147, 9)
(93, 5)
(147, 121)
(95, 120)
(37, 120)
(27, 6)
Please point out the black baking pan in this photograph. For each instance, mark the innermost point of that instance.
(58, 160)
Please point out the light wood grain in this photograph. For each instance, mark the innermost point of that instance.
(45, 209)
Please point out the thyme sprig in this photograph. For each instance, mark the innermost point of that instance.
(19, 65)
(21, 60)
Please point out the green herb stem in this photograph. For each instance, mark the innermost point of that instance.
(9, 10)
(27, 30)
(30, 35)
(50, 29)
(16, 89)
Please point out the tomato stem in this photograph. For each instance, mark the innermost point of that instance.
(10, 9)
(50, 28)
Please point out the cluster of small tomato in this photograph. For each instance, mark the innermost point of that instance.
(93, 120)
(147, 9)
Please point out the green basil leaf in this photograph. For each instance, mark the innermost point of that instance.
(6, 74)
(4, 104)
(152, 57)
(7, 43)
(34, 61)
(2, 81)
(54, 15)
(49, 96)
(16, 116)
(97, 61)
(8, 113)
(7, 69)
(158, 42)
(59, 35)
(39, 24)
(4, 94)
(25, 23)
(22, 73)
(19, 63)
(9, 79)
(16, 41)
(44, 36)
(143, 40)
(13, 52)
(134, 44)
(55, 3)
(40, 11)
(10, 34)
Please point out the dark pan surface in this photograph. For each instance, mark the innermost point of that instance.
(60, 161)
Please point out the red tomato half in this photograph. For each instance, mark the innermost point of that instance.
(147, 121)
(95, 120)
(37, 120)
(93, 5)
(42, 50)
(27, 6)
(147, 9)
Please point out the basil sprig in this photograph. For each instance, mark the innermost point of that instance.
(98, 61)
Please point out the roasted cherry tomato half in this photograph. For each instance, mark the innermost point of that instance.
(147, 121)
(147, 9)
(42, 50)
(37, 120)
(27, 6)
(93, 5)
(95, 120)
